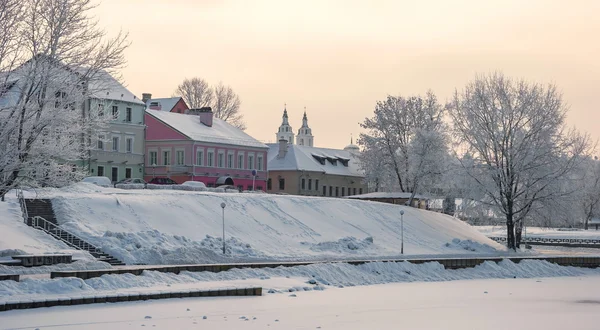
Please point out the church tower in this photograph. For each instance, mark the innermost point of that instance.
(285, 130)
(305, 137)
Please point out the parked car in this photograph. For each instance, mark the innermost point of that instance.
(131, 181)
(165, 181)
(196, 184)
(229, 187)
(101, 181)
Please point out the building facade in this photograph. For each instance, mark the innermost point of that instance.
(119, 152)
(310, 171)
(170, 104)
(199, 147)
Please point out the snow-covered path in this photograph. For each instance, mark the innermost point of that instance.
(546, 303)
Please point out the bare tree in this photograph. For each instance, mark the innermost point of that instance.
(226, 106)
(195, 92)
(408, 134)
(58, 60)
(590, 191)
(515, 133)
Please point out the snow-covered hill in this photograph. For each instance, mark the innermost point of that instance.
(169, 226)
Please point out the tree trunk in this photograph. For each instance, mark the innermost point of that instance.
(518, 234)
(510, 232)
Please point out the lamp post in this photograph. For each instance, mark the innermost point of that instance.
(153, 170)
(253, 178)
(402, 231)
(223, 207)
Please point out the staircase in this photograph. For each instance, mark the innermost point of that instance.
(38, 213)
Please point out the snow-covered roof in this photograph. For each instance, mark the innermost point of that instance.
(220, 132)
(305, 158)
(164, 104)
(106, 87)
(398, 195)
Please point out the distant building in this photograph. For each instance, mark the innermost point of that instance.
(119, 152)
(286, 132)
(400, 198)
(199, 147)
(170, 104)
(310, 171)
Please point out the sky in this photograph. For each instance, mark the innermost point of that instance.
(338, 58)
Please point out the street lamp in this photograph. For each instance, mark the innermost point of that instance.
(223, 207)
(153, 170)
(402, 231)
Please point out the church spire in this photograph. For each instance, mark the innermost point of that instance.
(285, 131)
(305, 136)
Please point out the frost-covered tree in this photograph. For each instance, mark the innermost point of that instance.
(196, 92)
(225, 103)
(408, 135)
(54, 59)
(515, 132)
(589, 191)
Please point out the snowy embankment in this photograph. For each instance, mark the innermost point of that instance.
(18, 238)
(282, 279)
(500, 231)
(175, 227)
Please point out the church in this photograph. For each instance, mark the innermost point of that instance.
(297, 167)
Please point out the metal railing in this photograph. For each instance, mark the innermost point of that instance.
(61, 234)
(533, 240)
(23, 206)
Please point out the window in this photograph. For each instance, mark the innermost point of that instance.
(354, 191)
(330, 191)
(114, 175)
(303, 187)
(337, 191)
(210, 161)
(269, 184)
(281, 184)
(129, 145)
(360, 191)
(259, 188)
(127, 173)
(199, 157)
(240, 161)
(115, 143)
(317, 185)
(221, 162)
(100, 170)
(249, 187)
(100, 110)
(343, 191)
(309, 184)
(167, 158)
(260, 162)
(240, 187)
(229, 160)
(128, 115)
(153, 158)
(250, 162)
(115, 112)
(324, 190)
(100, 142)
(180, 157)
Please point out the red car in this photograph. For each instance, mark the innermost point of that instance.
(165, 181)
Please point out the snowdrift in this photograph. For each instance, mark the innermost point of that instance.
(174, 227)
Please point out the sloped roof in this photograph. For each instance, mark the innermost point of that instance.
(398, 195)
(305, 158)
(220, 132)
(106, 87)
(166, 104)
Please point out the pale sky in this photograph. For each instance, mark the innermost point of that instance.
(337, 58)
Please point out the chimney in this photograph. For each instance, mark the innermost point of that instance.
(146, 97)
(205, 114)
(282, 148)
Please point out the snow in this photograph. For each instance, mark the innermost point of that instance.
(18, 238)
(300, 158)
(98, 180)
(402, 195)
(165, 104)
(105, 86)
(220, 132)
(531, 232)
(171, 226)
(537, 303)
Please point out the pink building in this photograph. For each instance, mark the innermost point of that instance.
(198, 147)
